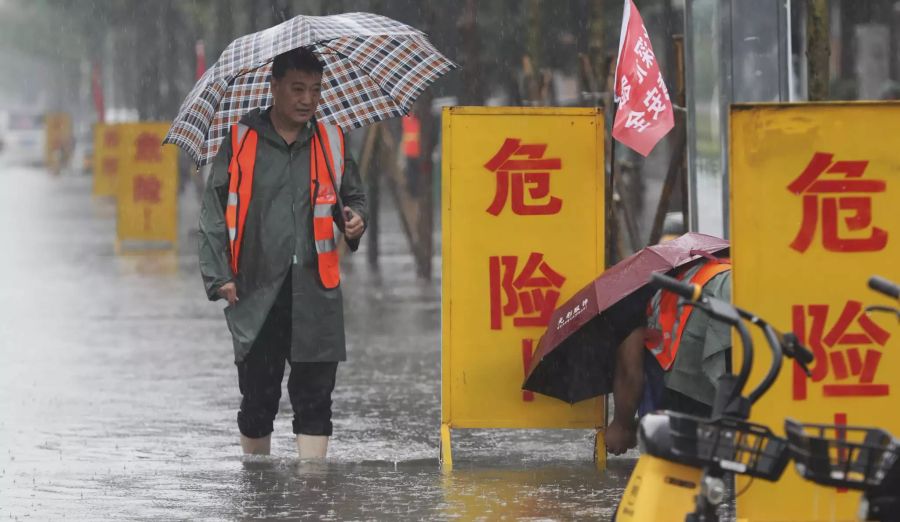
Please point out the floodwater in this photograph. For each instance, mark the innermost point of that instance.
(118, 393)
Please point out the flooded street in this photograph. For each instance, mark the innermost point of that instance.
(601, 190)
(118, 393)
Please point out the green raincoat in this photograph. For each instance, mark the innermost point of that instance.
(705, 347)
(278, 238)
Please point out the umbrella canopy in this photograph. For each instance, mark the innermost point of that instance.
(375, 68)
(574, 359)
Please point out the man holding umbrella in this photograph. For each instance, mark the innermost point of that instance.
(280, 185)
(269, 116)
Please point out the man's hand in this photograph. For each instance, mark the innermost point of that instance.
(228, 291)
(628, 385)
(620, 436)
(353, 224)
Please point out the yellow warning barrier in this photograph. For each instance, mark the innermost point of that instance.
(147, 188)
(523, 230)
(814, 213)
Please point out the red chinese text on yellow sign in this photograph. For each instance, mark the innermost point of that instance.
(522, 231)
(814, 214)
(147, 187)
(106, 161)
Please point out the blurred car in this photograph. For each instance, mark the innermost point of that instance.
(22, 134)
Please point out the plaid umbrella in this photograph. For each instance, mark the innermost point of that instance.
(375, 68)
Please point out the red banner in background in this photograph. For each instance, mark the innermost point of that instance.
(200, 53)
(644, 113)
(97, 91)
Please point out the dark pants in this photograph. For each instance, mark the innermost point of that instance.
(261, 372)
(657, 397)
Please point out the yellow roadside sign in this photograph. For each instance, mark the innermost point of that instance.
(147, 188)
(523, 230)
(814, 213)
(107, 157)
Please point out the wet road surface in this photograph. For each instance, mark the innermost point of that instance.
(118, 393)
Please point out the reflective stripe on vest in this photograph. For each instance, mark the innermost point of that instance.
(326, 158)
(667, 318)
(322, 193)
(240, 187)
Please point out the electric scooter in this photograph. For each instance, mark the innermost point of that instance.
(685, 459)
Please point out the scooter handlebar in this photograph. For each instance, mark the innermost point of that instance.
(793, 348)
(884, 286)
(686, 290)
(786, 345)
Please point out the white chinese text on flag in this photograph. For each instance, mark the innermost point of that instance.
(644, 113)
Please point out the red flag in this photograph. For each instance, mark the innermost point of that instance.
(644, 113)
(97, 91)
(200, 53)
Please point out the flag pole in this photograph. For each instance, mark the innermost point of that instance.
(611, 215)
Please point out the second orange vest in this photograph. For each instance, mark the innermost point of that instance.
(326, 154)
(667, 319)
(411, 136)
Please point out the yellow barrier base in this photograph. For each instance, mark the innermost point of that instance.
(600, 449)
(446, 454)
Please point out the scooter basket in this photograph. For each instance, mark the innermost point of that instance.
(851, 457)
(740, 447)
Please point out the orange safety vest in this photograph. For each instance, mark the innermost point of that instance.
(411, 136)
(668, 321)
(327, 153)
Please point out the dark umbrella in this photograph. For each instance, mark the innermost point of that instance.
(375, 68)
(574, 359)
